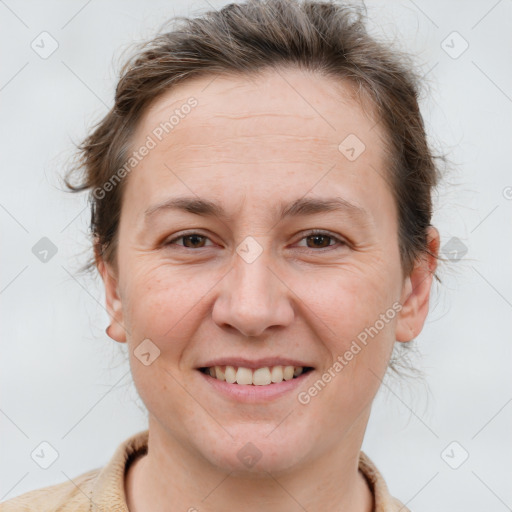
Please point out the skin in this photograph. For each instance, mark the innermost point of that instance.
(250, 144)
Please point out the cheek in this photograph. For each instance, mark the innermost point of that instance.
(356, 314)
(350, 299)
(163, 302)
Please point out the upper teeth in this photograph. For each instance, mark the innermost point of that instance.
(258, 377)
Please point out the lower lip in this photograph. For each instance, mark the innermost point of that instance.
(252, 394)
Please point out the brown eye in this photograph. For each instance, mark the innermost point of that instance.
(194, 240)
(319, 241)
(190, 241)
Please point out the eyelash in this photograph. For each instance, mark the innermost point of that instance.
(308, 234)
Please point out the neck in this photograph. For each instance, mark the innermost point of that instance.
(171, 474)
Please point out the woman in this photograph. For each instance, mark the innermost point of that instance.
(261, 207)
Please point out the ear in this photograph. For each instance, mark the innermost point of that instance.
(113, 301)
(416, 291)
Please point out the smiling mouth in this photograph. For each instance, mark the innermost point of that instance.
(257, 377)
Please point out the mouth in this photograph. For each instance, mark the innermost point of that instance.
(263, 376)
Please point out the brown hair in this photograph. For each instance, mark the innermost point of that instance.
(325, 37)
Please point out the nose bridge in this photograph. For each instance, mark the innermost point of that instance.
(252, 297)
(252, 279)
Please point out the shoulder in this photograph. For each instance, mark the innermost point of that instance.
(71, 495)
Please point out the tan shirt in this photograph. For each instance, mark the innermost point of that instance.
(102, 489)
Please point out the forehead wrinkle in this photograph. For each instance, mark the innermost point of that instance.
(260, 136)
(249, 115)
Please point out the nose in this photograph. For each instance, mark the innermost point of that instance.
(253, 298)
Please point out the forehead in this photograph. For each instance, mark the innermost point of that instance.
(273, 129)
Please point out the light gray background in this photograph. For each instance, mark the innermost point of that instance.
(64, 381)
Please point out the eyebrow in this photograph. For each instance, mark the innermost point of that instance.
(299, 207)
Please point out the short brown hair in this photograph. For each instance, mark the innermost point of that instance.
(326, 37)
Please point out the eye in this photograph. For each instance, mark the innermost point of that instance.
(320, 239)
(192, 240)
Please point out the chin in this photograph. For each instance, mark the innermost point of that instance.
(258, 449)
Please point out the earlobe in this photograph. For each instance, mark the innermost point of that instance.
(416, 291)
(116, 329)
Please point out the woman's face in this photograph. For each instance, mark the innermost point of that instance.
(278, 156)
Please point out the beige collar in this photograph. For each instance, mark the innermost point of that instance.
(108, 489)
